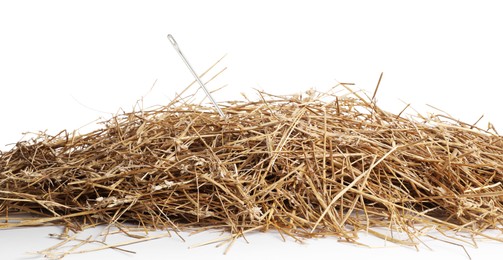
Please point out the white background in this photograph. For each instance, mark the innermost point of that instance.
(64, 64)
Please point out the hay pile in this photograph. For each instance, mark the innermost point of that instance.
(313, 165)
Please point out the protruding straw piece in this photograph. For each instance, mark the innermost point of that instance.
(175, 45)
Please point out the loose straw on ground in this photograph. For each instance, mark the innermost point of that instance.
(320, 164)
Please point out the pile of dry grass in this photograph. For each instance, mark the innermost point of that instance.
(313, 165)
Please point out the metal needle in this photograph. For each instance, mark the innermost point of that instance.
(175, 45)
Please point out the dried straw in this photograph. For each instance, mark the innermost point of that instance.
(309, 165)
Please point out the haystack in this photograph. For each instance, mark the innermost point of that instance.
(311, 165)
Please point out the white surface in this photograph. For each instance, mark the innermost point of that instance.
(63, 64)
(22, 243)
